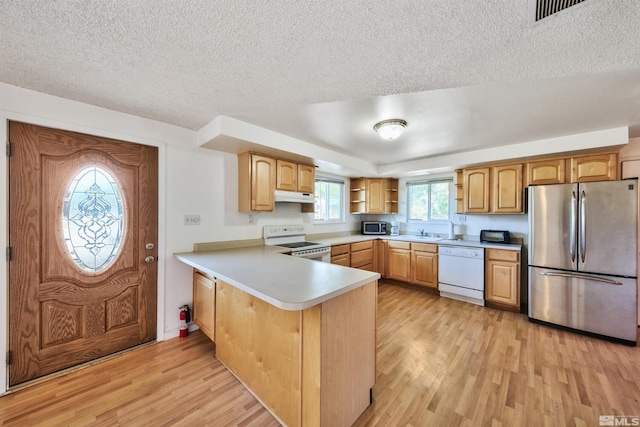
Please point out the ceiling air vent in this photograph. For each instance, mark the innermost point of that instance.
(540, 9)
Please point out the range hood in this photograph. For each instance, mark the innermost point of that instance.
(294, 197)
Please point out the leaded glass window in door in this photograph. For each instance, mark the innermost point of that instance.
(93, 219)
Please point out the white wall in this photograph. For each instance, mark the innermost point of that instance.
(192, 180)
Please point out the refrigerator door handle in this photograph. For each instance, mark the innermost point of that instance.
(583, 226)
(581, 276)
(572, 234)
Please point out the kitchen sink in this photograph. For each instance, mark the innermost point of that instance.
(430, 239)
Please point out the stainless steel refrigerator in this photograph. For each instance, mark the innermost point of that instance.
(583, 257)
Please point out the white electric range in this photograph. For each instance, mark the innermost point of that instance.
(293, 237)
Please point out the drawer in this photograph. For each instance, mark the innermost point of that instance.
(360, 246)
(340, 249)
(342, 259)
(424, 247)
(360, 258)
(503, 255)
(399, 245)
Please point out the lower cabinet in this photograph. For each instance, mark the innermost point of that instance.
(204, 303)
(380, 256)
(415, 263)
(399, 261)
(357, 255)
(362, 255)
(502, 279)
(424, 265)
(341, 255)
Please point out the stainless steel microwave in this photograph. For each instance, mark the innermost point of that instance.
(374, 227)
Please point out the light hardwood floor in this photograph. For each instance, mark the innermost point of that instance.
(440, 363)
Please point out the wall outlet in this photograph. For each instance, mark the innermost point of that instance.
(192, 220)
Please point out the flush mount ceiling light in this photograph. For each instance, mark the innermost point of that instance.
(390, 129)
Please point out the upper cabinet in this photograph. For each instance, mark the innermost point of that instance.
(499, 189)
(256, 182)
(598, 167)
(391, 195)
(259, 176)
(286, 175)
(476, 190)
(593, 167)
(496, 189)
(374, 195)
(292, 176)
(306, 178)
(507, 189)
(550, 171)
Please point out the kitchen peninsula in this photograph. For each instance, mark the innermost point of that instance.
(300, 334)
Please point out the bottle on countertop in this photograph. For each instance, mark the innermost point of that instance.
(452, 233)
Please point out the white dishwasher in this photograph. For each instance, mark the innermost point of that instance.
(461, 273)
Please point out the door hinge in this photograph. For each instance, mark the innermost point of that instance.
(9, 357)
(8, 149)
(8, 253)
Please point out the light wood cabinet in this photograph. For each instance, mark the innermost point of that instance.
(424, 265)
(362, 255)
(592, 167)
(507, 189)
(391, 195)
(204, 303)
(496, 189)
(306, 178)
(256, 182)
(550, 171)
(380, 254)
(476, 190)
(311, 367)
(459, 197)
(597, 167)
(374, 195)
(502, 278)
(357, 197)
(341, 255)
(286, 175)
(291, 176)
(399, 261)
(499, 189)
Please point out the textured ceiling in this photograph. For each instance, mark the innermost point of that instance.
(464, 74)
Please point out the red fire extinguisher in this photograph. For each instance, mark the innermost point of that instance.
(185, 318)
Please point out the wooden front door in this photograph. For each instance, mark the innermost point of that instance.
(83, 245)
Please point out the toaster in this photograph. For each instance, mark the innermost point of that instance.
(495, 236)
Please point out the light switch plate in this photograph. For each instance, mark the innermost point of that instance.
(192, 220)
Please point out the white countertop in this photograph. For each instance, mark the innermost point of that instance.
(419, 239)
(284, 281)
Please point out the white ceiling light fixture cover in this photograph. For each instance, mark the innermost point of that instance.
(390, 129)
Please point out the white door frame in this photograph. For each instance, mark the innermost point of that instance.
(27, 106)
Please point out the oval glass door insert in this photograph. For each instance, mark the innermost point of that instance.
(93, 219)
